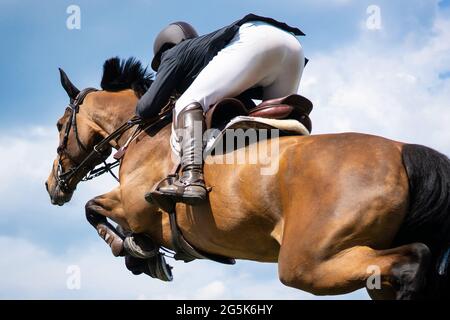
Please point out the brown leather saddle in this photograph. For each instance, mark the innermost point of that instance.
(294, 107)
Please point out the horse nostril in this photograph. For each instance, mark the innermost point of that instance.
(46, 185)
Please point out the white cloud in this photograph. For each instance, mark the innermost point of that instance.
(24, 155)
(31, 272)
(214, 290)
(394, 91)
(26, 164)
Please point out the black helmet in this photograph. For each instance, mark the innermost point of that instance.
(170, 36)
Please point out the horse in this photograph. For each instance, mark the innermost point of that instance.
(342, 209)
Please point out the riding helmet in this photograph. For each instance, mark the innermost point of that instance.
(170, 36)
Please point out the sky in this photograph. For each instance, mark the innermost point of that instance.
(391, 78)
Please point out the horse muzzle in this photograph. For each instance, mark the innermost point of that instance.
(57, 195)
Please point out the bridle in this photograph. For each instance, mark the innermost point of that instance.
(100, 150)
(62, 177)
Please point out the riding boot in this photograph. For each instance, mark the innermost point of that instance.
(190, 186)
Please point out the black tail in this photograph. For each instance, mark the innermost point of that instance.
(428, 219)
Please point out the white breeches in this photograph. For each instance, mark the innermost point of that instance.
(259, 55)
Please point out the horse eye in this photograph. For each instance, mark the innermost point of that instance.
(59, 126)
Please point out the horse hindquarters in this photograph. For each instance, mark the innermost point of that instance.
(428, 219)
(338, 227)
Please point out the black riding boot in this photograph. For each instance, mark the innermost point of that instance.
(190, 186)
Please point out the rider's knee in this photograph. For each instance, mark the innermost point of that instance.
(184, 103)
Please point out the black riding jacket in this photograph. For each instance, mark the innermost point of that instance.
(181, 64)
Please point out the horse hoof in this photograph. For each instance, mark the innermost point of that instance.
(140, 246)
(111, 237)
(158, 268)
(135, 265)
(117, 247)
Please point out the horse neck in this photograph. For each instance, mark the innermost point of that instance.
(110, 110)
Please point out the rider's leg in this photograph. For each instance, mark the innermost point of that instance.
(258, 55)
(287, 78)
(252, 58)
(189, 126)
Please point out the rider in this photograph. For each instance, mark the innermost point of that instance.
(252, 53)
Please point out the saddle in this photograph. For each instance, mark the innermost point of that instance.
(290, 115)
(292, 107)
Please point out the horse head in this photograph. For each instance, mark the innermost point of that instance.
(78, 134)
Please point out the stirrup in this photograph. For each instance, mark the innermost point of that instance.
(158, 268)
(167, 200)
(160, 199)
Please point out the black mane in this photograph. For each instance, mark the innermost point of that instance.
(125, 74)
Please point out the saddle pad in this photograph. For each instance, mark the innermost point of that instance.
(286, 126)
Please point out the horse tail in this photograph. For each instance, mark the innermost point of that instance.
(428, 218)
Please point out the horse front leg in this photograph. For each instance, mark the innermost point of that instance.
(105, 206)
(140, 252)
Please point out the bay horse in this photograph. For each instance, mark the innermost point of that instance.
(339, 207)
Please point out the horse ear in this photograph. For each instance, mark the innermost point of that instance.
(71, 90)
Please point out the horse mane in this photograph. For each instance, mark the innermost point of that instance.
(125, 74)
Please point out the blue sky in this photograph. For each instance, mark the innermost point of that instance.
(35, 40)
(392, 81)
